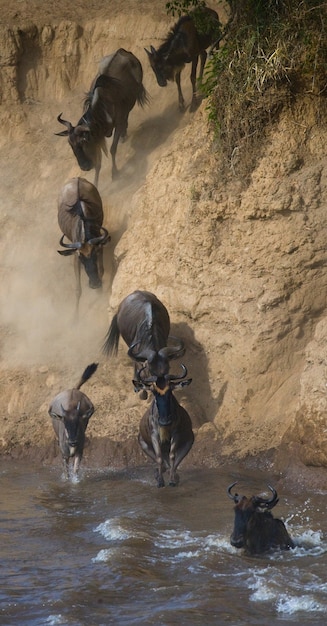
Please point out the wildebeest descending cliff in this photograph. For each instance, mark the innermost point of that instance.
(113, 94)
(80, 217)
(185, 43)
(144, 323)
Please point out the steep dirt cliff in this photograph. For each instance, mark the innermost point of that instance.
(240, 269)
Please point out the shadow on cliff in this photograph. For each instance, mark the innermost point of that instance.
(152, 133)
(202, 405)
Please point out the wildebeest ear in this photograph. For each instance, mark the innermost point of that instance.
(151, 53)
(54, 415)
(138, 385)
(66, 252)
(63, 133)
(183, 383)
(88, 414)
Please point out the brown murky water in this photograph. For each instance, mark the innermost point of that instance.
(114, 549)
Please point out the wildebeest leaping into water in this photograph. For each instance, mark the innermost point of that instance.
(186, 42)
(113, 94)
(166, 433)
(70, 412)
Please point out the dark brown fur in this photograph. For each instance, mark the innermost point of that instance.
(113, 94)
(185, 43)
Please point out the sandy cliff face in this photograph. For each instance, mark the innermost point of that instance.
(241, 270)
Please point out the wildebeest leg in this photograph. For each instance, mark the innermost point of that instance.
(203, 58)
(194, 102)
(66, 466)
(180, 94)
(77, 462)
(175, 458)
(113, 150)
(154, 452)
(77, 269)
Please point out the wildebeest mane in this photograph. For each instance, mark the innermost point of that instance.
(91, 225)
(174, 37)
(149, 334)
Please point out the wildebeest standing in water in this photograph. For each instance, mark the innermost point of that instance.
(113, 94)
(165, 434)
(70, 412)
(255, 528)
(186, 42)
(143, 322)
(80, 217)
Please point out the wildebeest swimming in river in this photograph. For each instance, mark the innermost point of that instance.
(80, 217)
(165, 434)
(186, 42)
(143, 322)
(70, 412)
(113, 94)
(255, 529)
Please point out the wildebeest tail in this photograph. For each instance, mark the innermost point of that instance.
(88, 372)
(142, 97)
(110, 345)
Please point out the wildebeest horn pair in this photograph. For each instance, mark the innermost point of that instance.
(77, 245)
(266, 503)
(149, 380)
(255, 528)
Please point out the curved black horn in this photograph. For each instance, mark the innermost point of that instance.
(100, 240)
(268, 503)
(173, 377)
(230, 495)
(145, 381)
(73, 246)
(65, 122)
(173, 352)
(140, 356)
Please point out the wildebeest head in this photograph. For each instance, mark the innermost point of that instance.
(162, 388)
(72, 420)
(244, 510)
(157, 361)
(163, 70)
(86, 145)
(88, 253)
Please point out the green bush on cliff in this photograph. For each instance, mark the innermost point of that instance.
(272, 51)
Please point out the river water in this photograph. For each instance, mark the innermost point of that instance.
(112, 548)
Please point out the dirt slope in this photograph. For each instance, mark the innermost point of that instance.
(242, 271)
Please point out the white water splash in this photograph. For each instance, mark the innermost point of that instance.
(288, 605)
(112, 530)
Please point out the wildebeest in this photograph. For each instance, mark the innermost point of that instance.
(165, 433)
(113, 93)
(185, 43)
(70, 412)
(144, 324)
(80, 217)
(255, 528)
